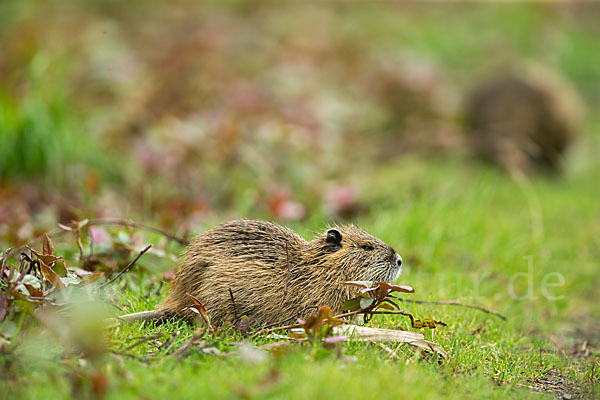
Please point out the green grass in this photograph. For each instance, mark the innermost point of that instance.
(438, 217)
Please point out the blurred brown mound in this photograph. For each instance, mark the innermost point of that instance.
(418, 108)
(524, 120)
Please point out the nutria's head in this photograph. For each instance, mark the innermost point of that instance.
(355, 255)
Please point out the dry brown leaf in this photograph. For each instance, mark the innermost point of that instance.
(48, 248)
(51, 276)
(34, 291)
(47, 258)
(363, 333)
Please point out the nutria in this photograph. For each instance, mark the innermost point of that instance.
(269, 274)
(524, 119)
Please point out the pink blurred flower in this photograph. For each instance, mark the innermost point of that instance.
(341, 201)
(99, 234)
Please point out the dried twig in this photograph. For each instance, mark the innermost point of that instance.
(392, 353)
(132, 356)
(347, 314)
(145, 249)
(285, 321)
(79, 244)
(3, 262)
(363, 333)
(22, 258)
(454, 303)
(277, 328)
(24, 271)
(184, 348)
(144, 340)
(376, 312)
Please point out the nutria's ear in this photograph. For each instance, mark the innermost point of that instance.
(334, 238)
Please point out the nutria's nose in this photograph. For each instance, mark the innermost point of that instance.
(398, 260)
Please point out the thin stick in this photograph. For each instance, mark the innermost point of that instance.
(79, 244)
(24, 272)
(277, 328)
(396, 350)
(144, 340)
(392, 353)
(184, 348)
(145, 249)
(132, 356)
(288, 319)
(389, 313)
(454, 303)
(3, 262)
(350, 313)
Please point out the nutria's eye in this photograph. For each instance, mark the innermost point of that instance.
(367, 247)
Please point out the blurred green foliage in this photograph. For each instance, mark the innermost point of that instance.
(34, 131)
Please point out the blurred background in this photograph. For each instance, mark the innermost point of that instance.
(183, 113)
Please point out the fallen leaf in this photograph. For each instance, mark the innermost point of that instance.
(51, 276)
(360, 284)
(363, 333)
(34, 292)
(47, 258)
(60, 267)
(314, 322)
(48, 247)
(395, 288)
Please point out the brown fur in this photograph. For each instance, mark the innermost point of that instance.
(270, 274)
(525, 119)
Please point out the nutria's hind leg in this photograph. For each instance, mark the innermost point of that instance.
(189, 279)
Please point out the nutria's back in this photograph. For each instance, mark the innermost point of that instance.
(269, 274)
